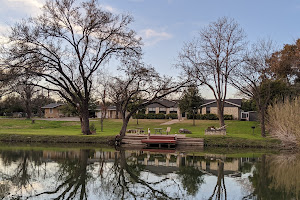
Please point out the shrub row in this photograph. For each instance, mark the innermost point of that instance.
(155, 116)
(210, 117)
(174, 116)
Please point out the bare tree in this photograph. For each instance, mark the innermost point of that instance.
(103, 100)
(210, 58)
(252, 78)
(7, 76)
(139, 80)
(25, 87)
(68, 44)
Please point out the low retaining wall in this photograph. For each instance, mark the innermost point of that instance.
(56, 139)
(215, 132)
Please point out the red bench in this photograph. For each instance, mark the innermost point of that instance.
(160, 139)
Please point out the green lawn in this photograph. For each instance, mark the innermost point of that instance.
(239, 133)
(240, 129)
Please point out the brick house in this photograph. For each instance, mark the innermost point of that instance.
(164, 106)
(52, 110)
(111, 112)
(231, 107)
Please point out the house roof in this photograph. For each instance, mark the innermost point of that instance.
(108, 108)
(165, 103)
(52, 105)
(232, 102)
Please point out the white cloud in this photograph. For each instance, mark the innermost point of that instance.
(3, 32)
(110, 8)
(21, 7)
(152, 37)
(33, 3)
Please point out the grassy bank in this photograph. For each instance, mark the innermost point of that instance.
(239, 133)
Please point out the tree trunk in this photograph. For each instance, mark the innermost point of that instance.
(220, 113)
(124, 126)
(101, 123)
(28, 109)
(117, 111)
(85, 123)
(262, 122)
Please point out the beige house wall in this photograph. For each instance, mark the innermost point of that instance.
(54, 114)
(214, 110)
(168, 111)
(234, 111)
(110, 114)
(156, 110)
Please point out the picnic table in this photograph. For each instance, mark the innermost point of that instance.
(140, 129)
(158, 130)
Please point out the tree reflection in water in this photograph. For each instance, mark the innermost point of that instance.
(220, 187)
(191, 179)
(73, 175)
(277, 177)
(125, 181)
(90, 174)
(27, 169)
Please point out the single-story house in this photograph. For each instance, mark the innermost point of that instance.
(111, 112)
(231, 107)
(163, 106)
(53, 110)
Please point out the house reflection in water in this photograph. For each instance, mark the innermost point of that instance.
(162, 163)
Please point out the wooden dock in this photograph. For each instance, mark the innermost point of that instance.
(161, 140)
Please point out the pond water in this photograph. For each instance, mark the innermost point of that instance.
(104, 173)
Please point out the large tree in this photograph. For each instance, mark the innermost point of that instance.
(190, 101)
(68, 44)
(210, 58)
(253, 80)
(139, 80)
(285, 63)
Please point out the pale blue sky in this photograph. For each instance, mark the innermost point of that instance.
(166, 24)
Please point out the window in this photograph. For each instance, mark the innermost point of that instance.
(173, 110)
(151, 110)
(51, 110)
(163, 110)
(207, 110)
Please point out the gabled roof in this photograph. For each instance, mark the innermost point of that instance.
(52, 105)
(233, 102)
(108, 108)
(163, 103)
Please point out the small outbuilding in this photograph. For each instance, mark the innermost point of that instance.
(53, 110)
(249, 116)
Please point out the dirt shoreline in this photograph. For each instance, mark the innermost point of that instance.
(110, 140)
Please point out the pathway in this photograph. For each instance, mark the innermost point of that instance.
(68, 119)
(173, 121)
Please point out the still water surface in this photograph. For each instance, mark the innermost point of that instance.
(102, 173)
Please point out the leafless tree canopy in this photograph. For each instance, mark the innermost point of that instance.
(68, 43)
(252, 78)
(139, 86)
(213, 55)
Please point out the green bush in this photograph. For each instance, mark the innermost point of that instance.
(204, 117)
(93, 128)
(211, 117)
(151, 116)
(139, 116)
(172, 116)
(228, 117)
(160, 116)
